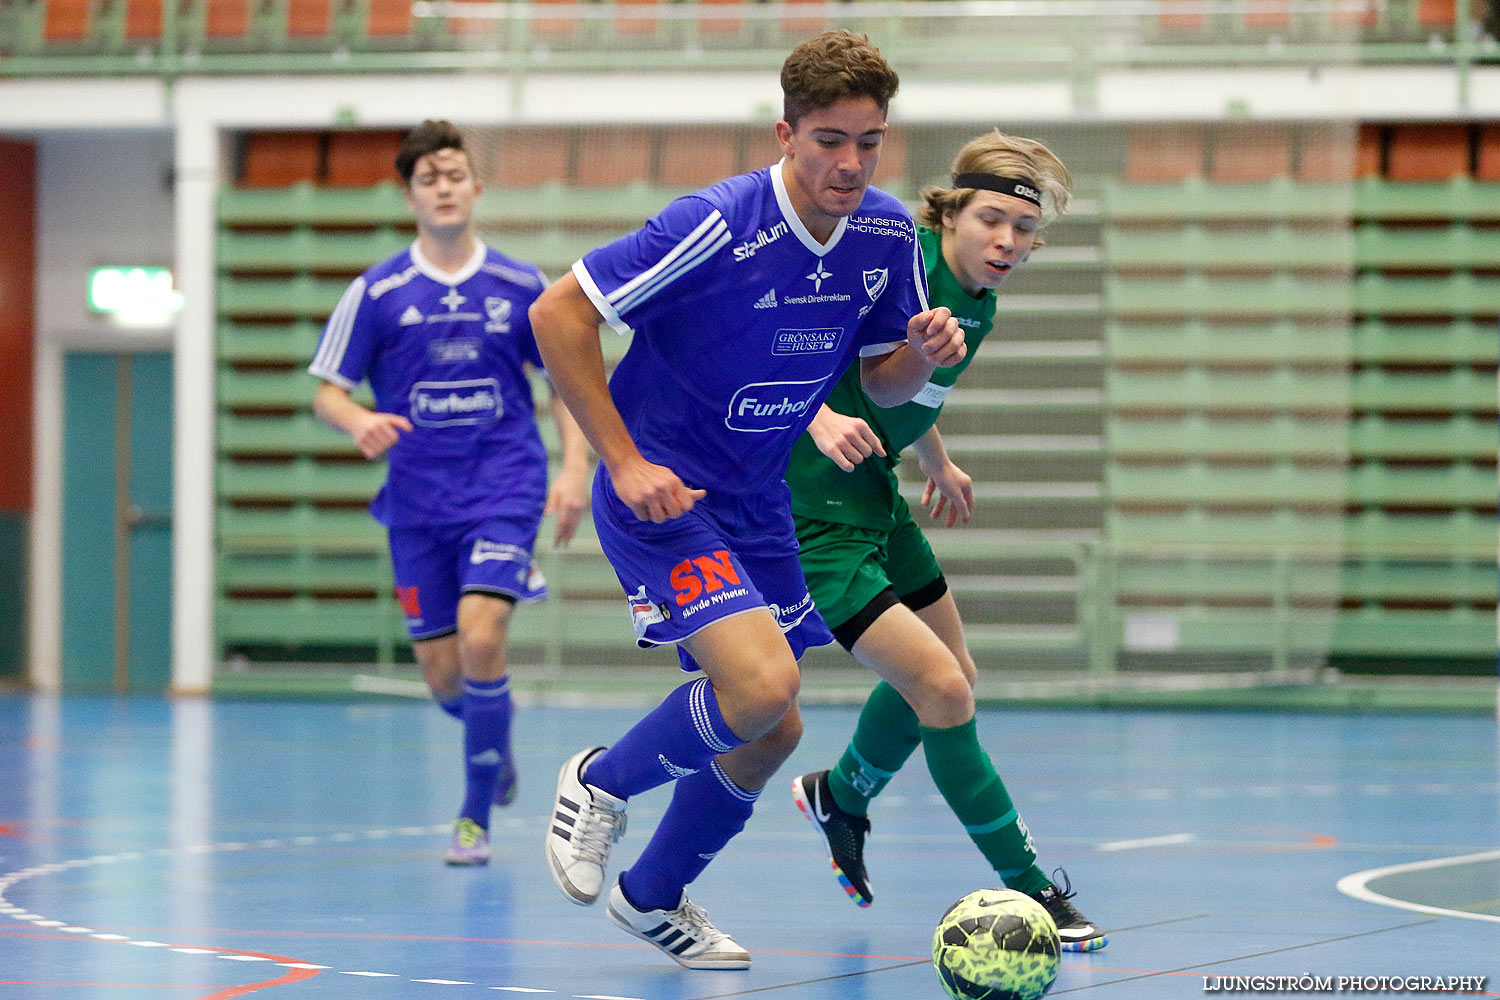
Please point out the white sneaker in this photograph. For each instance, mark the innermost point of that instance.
(684, 933)
(586, 823)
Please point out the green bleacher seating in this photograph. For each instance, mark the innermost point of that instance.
(1276, 341)
(298, 433)
(1242, 248)
(1195, 294)
(1460, 437)
(308, 250)
(1195, 199)
(1184, 435)
(1459, 342)
(290, 343)
(1444, 247)
(1456, 294)
(300, 479)
(1457, 200)
(1260, 414)
(300, 296)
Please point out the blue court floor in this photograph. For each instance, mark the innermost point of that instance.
(206, 850)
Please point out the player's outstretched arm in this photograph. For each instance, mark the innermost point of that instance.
(953, 487)
(566, 326)
(933, 340)
(847, 440)
(373, 431)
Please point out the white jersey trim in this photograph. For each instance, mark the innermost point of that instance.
(330, 356)
(470, 268)
(601, 303)
(876, 350)
(784, 200)
(710, 234)
(919, 270)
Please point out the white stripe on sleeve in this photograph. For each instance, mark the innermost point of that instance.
(712, 230)
(330, 355)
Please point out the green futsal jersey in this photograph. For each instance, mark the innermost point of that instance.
(867, 496)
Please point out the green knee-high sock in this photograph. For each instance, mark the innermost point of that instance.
(885, 736)
(966, 777)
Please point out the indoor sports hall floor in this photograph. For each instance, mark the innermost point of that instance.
(205, 850)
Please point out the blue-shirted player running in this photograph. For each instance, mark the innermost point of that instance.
(441, 333)
(746, 302)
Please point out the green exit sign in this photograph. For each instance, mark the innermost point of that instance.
(134, 295)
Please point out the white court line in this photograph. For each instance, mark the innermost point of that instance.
(1134, 845)
(1356, 885)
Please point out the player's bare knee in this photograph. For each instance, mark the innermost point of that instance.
(785, 735)
(946, 698)
(756, 702)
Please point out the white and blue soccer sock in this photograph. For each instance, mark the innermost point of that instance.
(486, 715)
(677, 737)
(454, 708)
(707, 810)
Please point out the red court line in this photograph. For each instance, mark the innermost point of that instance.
(227, 993)
(291, 976)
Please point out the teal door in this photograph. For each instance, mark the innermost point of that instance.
(117, 529)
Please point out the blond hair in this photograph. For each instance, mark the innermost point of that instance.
(1002, 156)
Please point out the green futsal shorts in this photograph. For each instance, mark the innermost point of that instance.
(847, 566)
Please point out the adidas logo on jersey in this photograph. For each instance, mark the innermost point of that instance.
(412, 316)
(767, 301)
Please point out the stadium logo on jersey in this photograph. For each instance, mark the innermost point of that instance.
(818, 275)
(440, 404)
(766, 301)
(412, 316)
(806, 341)
(644, 613)
(763, 237)
(771, 406)
(498, 310)
(452, 352)
(875, 282)
(485, 551)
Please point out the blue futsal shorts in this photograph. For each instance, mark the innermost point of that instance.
(436, 564)
(726, 556)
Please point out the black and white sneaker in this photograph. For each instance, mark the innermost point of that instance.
(844, 832)
(586, 823)
(684, 933)
(1074, 930)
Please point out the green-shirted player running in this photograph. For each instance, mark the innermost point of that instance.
(871, 572)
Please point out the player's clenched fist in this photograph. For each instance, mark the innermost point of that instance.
(376, 432)
(937, 337)
(653, 492)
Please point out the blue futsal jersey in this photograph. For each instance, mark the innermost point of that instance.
(743, 322)
(447, 352)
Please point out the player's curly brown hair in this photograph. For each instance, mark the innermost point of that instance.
(424, 140)
(1003, 156)
(834, 65)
